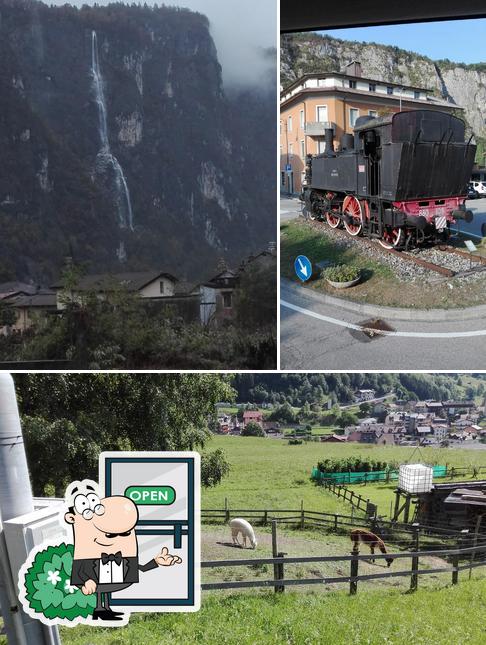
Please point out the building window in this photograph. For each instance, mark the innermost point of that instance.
(227, 299)
(289, 122)
(352, 85)
(416, 95)
(161, 286)
(291, 149)
(321, 113)
(389, 89)
(302, 149)
(280, 127)
(321, 146)
(282, 175)
(353, 115)
(302, 122)
(372, 87)
(373, 113)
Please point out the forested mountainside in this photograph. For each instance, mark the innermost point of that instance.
(462, 84)
(296, 389)
(121, 147)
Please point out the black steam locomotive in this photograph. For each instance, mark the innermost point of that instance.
(401, 179)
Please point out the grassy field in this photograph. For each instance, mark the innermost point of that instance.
(450, 615)
(268, 473)
(379, 285)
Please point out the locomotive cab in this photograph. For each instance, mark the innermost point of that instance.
(404, 180)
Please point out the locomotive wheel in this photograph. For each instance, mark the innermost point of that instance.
(392, 238)
(333, 220)
(352, 208)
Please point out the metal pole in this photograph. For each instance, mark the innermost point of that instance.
(15, 500)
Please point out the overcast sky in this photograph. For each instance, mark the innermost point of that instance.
(239, 28)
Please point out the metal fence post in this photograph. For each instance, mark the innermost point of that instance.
(302, 517)
(226, 510)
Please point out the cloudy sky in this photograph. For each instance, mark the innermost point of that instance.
(240, 28)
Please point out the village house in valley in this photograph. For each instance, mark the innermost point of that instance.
(335, 100)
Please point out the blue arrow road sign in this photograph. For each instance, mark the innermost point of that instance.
(288, 168)
(303, 267)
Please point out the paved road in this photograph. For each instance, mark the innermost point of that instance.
(478, 208)
(290, 208)
(322, 337)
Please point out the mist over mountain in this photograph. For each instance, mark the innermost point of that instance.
(122, 147)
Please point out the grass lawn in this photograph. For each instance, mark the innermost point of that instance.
(379, 284)
(268, 473)
(453, 615)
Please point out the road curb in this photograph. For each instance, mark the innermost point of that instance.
(391, 313)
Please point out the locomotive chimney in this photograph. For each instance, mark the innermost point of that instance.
(329, 139)
(347, 142)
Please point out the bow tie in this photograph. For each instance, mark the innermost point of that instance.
(105, 558)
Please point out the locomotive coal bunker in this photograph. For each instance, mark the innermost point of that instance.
(401, 178)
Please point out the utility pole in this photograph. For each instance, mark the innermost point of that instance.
(15, 500)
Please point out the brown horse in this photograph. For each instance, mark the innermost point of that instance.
(372, 540)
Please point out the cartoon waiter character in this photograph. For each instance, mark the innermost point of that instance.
(105, 545)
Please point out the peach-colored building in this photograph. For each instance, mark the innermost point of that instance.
(335, 100)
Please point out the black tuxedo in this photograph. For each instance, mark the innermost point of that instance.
(88, 569)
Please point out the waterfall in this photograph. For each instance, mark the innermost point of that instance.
(106, 162)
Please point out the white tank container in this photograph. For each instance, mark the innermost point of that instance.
(415, 478)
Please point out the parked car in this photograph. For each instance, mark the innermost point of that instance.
(472, 193)
(479, 187)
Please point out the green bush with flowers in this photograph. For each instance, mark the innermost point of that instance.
(48, 586)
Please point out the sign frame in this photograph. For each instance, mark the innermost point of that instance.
(191, 528)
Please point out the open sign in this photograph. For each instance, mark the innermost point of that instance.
(141, 495)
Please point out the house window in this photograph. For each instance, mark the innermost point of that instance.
(389, 89)
(352, 84)
(373, 113)
(302, 119)
(353, 116)
(227, 299)
(161, 286)
(372, 87)
(302, 149)
(321, 113)
(289, 124)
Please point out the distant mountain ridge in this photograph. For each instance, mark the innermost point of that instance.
(462, 84)
(198, 162)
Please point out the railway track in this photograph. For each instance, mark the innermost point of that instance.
(427, 258)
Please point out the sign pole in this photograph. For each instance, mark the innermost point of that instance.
(15, 500)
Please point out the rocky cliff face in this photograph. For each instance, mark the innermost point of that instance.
(188, 151)
(464, 85)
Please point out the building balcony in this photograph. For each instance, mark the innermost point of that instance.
(317, 128)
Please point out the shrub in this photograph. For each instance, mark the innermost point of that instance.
(48, 586)
(341, 273)
(253, 429)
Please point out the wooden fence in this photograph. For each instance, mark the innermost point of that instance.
(279, 582)
(355, 499)
(401, 534)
